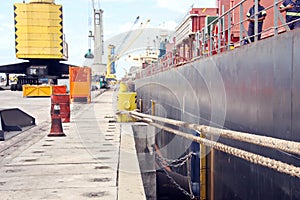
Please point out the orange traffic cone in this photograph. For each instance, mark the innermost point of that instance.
(56, 125)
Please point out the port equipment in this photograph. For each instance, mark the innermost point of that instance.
(40, 42)
(56, 125)
(80, 84)
(114, 55)
(13, 121)
(37, 90)
(63, 100)
(43, 90)
(110, 67)
(126, 102)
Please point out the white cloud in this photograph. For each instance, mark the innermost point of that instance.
(110, 1)
(170, 25)
(119, 1)
(184, 6)
(125, 27)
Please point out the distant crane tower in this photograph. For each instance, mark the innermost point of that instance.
(98, 35)
(98, 67)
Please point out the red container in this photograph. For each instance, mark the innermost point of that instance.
(64, 102)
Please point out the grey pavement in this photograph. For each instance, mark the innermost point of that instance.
(89, 163)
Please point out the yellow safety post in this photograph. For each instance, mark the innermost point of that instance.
(212, 152)
(123, 87)
(203, 169)
(152, 107)
(126, 102)
(140, 103)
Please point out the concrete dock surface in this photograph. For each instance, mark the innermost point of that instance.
(96, 159)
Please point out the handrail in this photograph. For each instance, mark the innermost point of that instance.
(226, 13)
(206, 41)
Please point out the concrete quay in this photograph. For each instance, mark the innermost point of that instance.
(96, 160)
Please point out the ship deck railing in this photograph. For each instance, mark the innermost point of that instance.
(220, 39)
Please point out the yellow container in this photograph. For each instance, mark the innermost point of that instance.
(126, 102)
(37, 90)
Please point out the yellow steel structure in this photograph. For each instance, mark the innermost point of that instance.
(126, 102)
(37, 90)
(123, 87)
(39, 30)
(203, 170)
(42, 1)
(110, 59)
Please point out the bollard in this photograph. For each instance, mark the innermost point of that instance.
(64, 102)
(140, 103)
(56, 124)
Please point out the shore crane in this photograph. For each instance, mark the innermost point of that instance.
(97, 36)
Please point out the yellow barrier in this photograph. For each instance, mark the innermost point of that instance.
(37, 90)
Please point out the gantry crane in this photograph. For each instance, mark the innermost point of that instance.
(39, 41)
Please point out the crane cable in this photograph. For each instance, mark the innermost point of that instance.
(114, 58)
(90, 35)
(134, 39)
(128, 34)
(93, 4)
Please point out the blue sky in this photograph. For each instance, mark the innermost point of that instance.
(118, 17)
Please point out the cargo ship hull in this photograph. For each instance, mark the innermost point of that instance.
(255, 89)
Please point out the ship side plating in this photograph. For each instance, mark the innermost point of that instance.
(253, 88)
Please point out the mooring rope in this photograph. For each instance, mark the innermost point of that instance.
(274, 143)
(251, 157)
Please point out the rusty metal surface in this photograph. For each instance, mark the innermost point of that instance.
(253, 89)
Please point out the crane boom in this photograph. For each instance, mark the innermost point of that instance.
(128, 34)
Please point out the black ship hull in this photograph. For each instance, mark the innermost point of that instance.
(255, 89)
